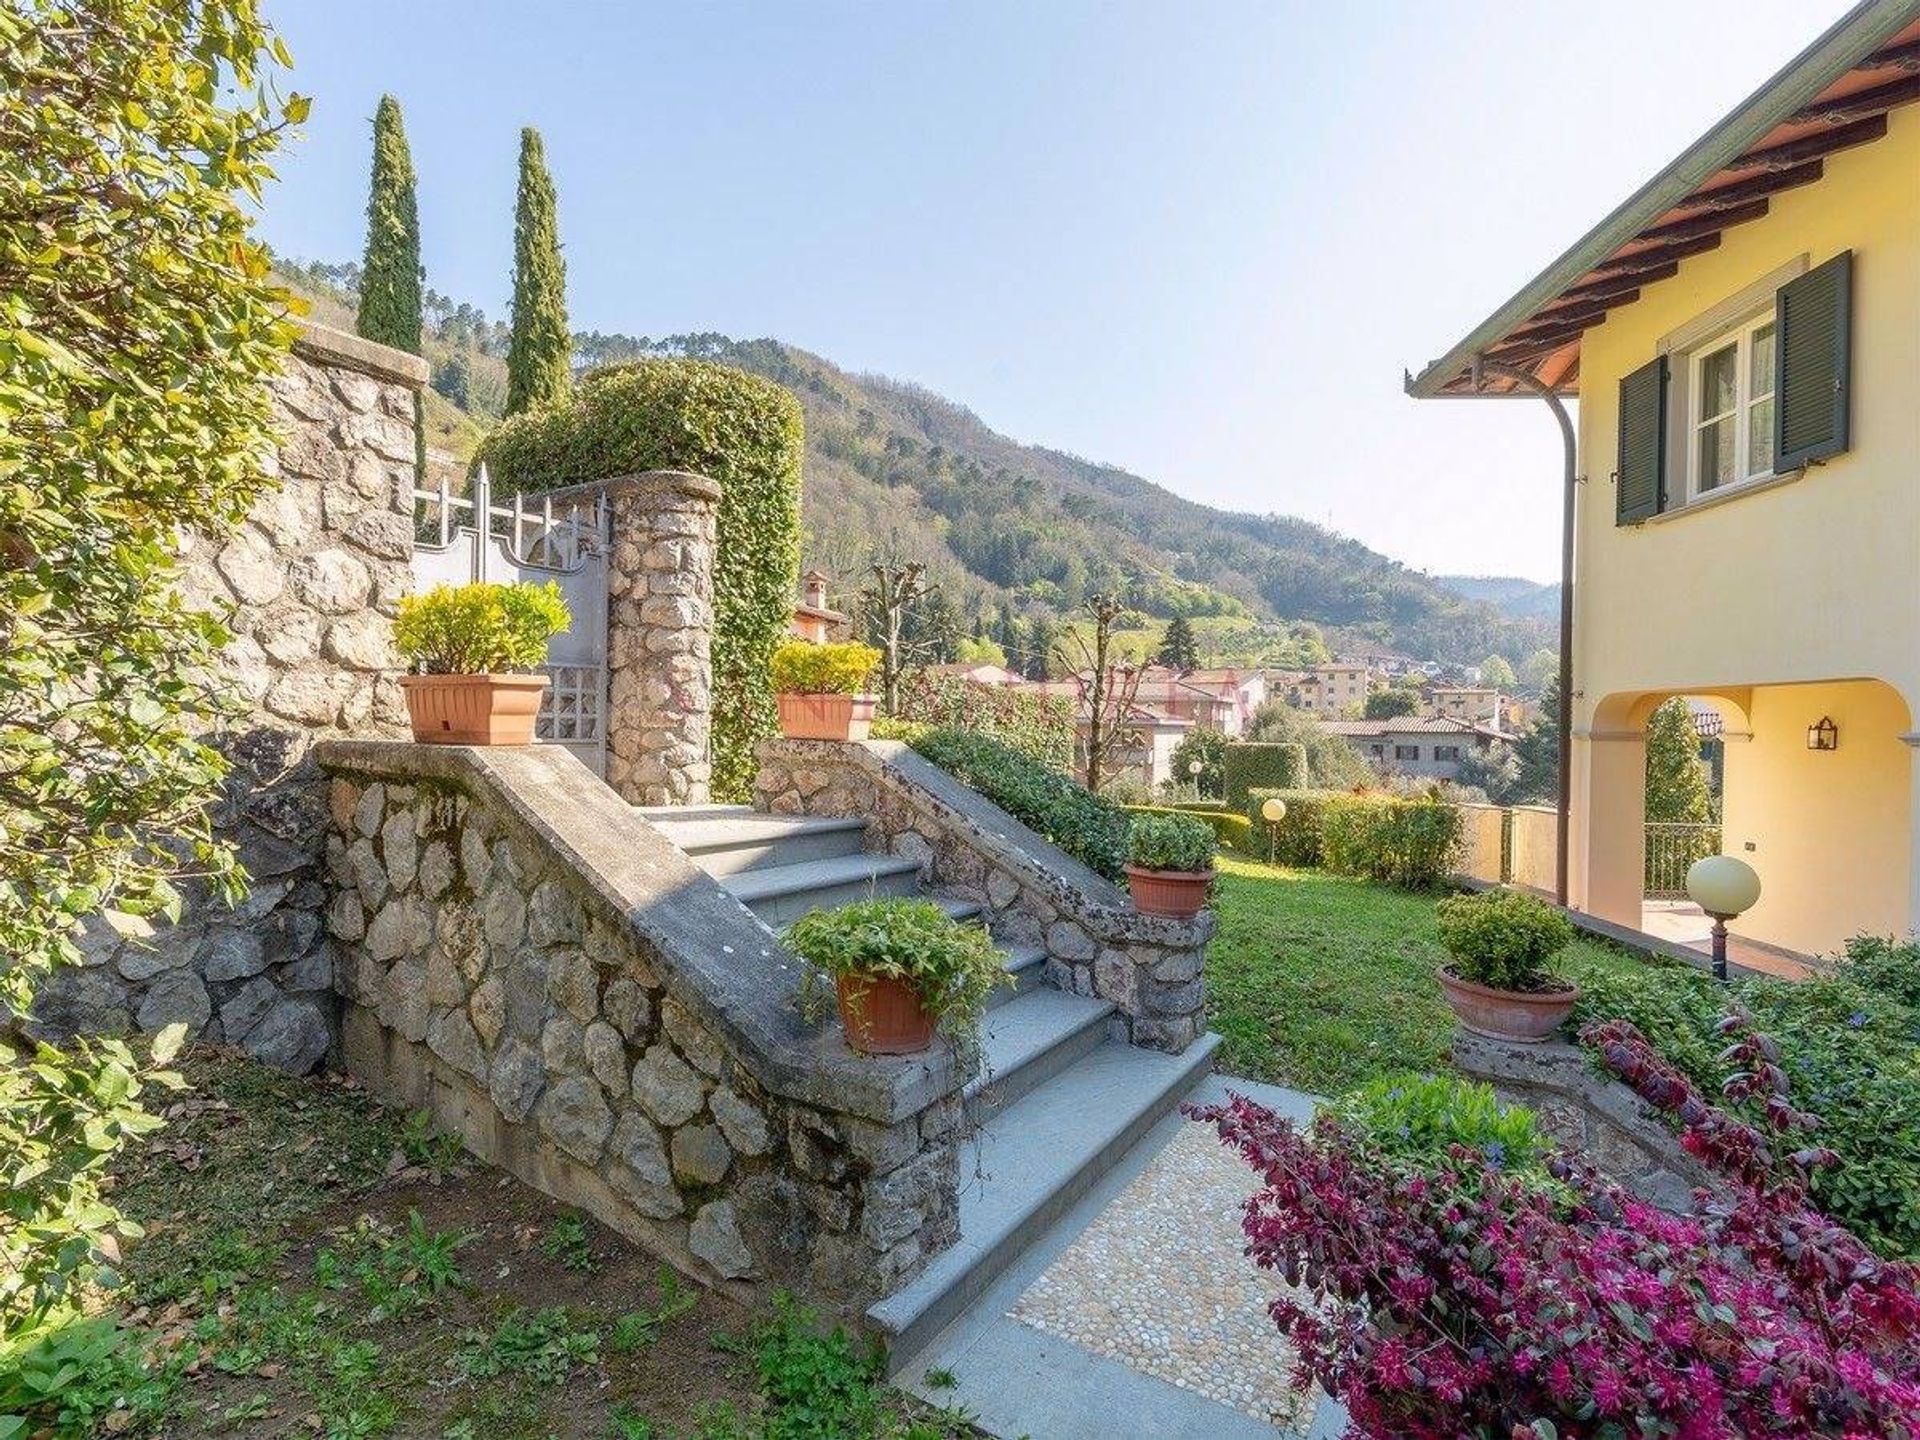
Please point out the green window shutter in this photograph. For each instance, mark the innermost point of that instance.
(1812, 345)
(1640, 486)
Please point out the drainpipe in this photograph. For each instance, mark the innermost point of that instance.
(1570, 479)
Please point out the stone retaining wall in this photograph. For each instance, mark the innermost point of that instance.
(1589, 1113)
(1033, 893)
(311, 581)
(557, 983)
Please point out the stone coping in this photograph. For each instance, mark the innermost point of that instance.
(717, 959)
(671, 482)
(1097, 903)
(327, 346)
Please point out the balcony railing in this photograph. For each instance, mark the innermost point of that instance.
(1671, 849)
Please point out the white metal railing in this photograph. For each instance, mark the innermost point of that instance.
(1672, 847)
(553, 536)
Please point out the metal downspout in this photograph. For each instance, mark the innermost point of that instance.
(1562, 823)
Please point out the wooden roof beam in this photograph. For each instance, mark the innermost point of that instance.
(1705, 223)
(1623, 282)
(1562, 313)
(1812, 147)
(1658, 255)
(1740, 192)
(1532, 347)
(1894, 57)
(1857, 106)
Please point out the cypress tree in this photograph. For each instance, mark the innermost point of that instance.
(539, 354)
(390, 308)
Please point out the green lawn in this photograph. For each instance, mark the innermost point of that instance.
(1322, 982)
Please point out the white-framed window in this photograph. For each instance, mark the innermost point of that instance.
(1730, 391)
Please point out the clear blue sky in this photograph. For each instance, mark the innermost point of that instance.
(1198, 240)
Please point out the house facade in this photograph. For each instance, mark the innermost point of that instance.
(1743, 337)
(1334, 688)
(1430, 747)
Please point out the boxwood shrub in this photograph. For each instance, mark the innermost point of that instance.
(1849, 1046)
(1397, 842)
(1168, 840)
(1232, 831)
(1250, 764)
(1296, 841)
(737, 429)
(1056, 806)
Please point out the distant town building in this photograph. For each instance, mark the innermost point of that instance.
(1430, 746)
(1332, 688)
(812, 619)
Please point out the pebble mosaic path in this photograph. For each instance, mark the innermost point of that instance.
(1160, 1282)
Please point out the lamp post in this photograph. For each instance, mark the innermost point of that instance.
(1273, 810)
(1723, 887)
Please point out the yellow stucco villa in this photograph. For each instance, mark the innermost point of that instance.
(1743, 337)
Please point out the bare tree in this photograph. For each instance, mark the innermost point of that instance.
(887, 604)
(1108, 689)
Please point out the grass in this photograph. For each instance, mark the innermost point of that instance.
(317, 1267)
(1323, 982)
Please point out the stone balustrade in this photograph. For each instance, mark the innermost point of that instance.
(1032, 892)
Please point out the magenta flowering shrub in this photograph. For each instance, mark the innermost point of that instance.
(1459, 1301)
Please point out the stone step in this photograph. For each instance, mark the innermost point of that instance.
(1028, 966)
(1028, 1041)
(693, 812)
(729, 844)
(1035, 1159)
(781, 894)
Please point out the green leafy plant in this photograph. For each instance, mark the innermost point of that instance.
(637, 1328)
(398, 1271)
(541, 1344)
(1397, 842)
(1229, 830)
(1421, 1117)
(737, 429)
(1295, 838)
(1040, 727)
(801, 667)
(480, 629)
(1248, 764)
(1055, 806)
(390, 272)
(540, 350)
(567, 1241)
(952, 968)
(1170, 842)
(1504, 939)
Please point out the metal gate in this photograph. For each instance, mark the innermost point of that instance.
(563, 537)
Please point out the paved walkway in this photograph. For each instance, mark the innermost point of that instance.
(1683, 923)
(1138, 1314)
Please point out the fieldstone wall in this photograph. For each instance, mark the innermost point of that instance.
(547, 974)
(311, 579)
(1590, 1113)
(660, 637)
(1034, 894)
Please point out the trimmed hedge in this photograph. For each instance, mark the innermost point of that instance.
(1232, 831)
(737, 429)
(1398, 842)
(1296, 840)
(1251, 765)
(1040, 726)
(1092, 830)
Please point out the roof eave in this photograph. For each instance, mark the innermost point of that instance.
(1852, 37)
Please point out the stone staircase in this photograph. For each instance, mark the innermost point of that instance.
(1061, 1096)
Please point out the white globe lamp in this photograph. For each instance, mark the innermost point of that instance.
(1723, 887)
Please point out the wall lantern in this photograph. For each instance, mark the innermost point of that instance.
(1823, 734)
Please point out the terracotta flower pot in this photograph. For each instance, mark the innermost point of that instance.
(473, 709)
(825, 717)
(1525, 1017)
(882, 1016)
(1181, 893)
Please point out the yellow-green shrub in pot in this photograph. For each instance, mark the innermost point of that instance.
(1499, 983)
(1170, 864)
(819, 689)
(472, 647)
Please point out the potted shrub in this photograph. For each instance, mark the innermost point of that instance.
(900, 968)
(819, 689)
(1170, 864)
(1498, 982)
(471, 646)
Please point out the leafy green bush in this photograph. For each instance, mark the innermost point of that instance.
(1249, 765)
(1209, 747)
(1296, 840)
(1848, 1048)
(480, 629)
(801, 667)
(1503, 938)
(1230, 830)
(1397, 842)
(953, 968)
(888, 727)
(1037, 725)
(1420, 1117)
(1170, 842)
(1057, 807)
(739, 430)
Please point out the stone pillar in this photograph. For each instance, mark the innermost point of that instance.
(660, 637)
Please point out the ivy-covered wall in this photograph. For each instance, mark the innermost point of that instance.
(740, 430)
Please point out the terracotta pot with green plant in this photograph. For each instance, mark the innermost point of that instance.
(819, 689)
(1499, 982)
(471, 647)
(1170, 864)
(900, 969)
